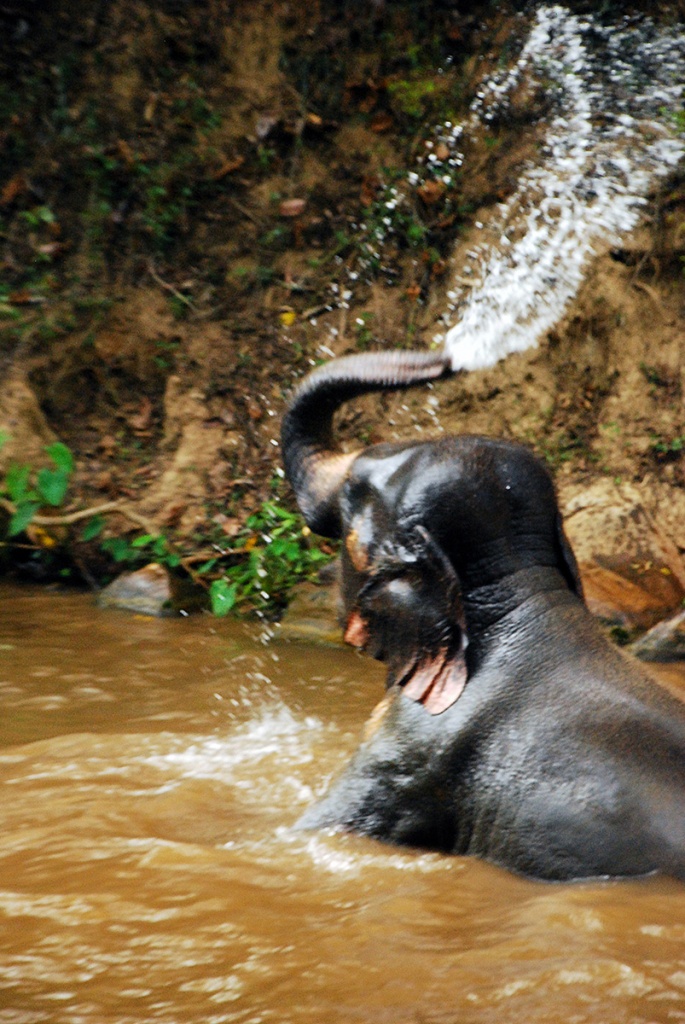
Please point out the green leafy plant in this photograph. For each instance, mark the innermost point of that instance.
(53, 483)
(390, 220)
(559, 447)
(26, 490)
(667, 448)
(676, 117)
(414, 96)
(38, 216)
(273, 552)
(138, 551)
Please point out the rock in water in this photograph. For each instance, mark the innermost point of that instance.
(664, 642)
(312, 615)
(147, 591)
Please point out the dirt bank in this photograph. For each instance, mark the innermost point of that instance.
(191, 200)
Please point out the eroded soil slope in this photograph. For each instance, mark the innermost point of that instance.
(196, 206)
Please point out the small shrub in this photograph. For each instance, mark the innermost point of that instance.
(25, 490)
(273, 552)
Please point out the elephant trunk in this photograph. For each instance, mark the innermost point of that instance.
(313, 465)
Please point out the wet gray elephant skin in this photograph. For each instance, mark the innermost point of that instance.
(512, 729)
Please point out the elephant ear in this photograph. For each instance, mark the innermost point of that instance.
(408, 615)
(438, 681)
(567, 561)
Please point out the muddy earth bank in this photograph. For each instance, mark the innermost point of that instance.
(191, 216)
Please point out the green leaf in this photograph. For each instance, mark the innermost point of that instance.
(222, 596)
(143, 540)
(53, 485)
(118, 547)
(93, 529)
(4, 438)
(292, 551)
(160, 548)
(207, 566)
(276, 512)
(61, 456)
(22, 517)
(17, 481)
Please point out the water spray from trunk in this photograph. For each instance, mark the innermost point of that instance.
(610, 137)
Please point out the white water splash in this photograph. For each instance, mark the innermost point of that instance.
(275, 735)
(327, 851)
(607, 143)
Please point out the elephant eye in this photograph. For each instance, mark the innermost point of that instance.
(389, 595)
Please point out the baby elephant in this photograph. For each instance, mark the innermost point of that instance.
(512, 729)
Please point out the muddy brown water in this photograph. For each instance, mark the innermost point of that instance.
(150, 774)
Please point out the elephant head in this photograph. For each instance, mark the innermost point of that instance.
(315, 467)
(424, 525)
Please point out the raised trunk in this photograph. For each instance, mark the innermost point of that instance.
(314, 466)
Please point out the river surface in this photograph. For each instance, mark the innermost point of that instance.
(150, 775)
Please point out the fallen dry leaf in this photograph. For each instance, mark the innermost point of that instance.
(141, 420)
(150, 107)
(40, 537)
(292, 207)
(369, 190)
(446, 222)
(287, 317)
(431, 192)
(14, 187)
(126, 153)
(381, 122)
(108, 445)
(22, 298)
(228, 167)
(174, 514)
(230, 526)
(50, 249)
(254, 411)
(104, 481)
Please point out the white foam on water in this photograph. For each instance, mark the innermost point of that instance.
(274, 742)
(607, 143)
(275, 734)
(329, 851)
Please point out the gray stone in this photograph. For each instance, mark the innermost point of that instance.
(312, 614)
(146, 591)
(664, 642)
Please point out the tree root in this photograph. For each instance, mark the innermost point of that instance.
(85, 513)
